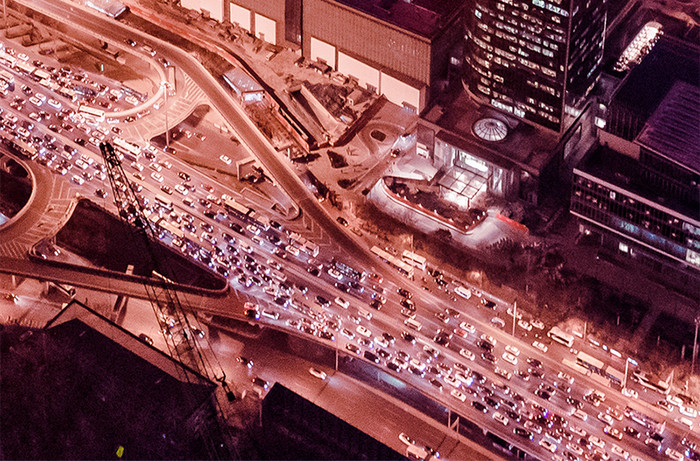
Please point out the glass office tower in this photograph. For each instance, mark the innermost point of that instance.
(534, 59)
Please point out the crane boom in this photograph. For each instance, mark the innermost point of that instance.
(166, 304)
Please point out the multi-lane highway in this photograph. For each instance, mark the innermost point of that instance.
(457, 353)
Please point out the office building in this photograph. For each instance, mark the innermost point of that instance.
(640, 191)
(536, 61)
(397, 48)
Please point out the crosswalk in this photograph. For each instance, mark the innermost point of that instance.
(179, 108)
(48, 223)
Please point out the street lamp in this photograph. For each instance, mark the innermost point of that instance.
(515, 308)
(695, 345)
(627, 366)
(166, 87)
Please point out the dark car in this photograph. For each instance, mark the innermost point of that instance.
(237, 227)
(488, 303)
(408, 304)
(323, 301)
(492, 402)
(404, 293)
(524, 433)
(436, 382)
(342, 221)
(480, 407)
(371, 357)
(442, 338)
(478, 377)
(408, 337)
(252, 313)
(146, 339)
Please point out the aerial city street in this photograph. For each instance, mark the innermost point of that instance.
(350, 229)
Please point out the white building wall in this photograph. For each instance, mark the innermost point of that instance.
(214, 7)
(365, 74)
(401, 93)
(241, 16)
(323, 50)
(265, 29)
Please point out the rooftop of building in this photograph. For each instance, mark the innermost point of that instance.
(625, 172)
(647, 84)
(673, 130)
(101, 388)
(423, 17)
(524, 145)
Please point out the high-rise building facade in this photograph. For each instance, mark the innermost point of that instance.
(536, 60)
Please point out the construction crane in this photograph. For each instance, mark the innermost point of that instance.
(179, 336)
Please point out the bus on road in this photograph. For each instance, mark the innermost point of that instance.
(560, 336)
(8, 78)
(393, 261)
(96, 114)
(130, 151)
(414, 259)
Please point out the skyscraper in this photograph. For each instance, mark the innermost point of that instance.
(536, 60)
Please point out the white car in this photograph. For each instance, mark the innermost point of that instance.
(540, 346)
(467, 354)
(597, 442)
(452, 381)
(381, 341)
(225, 159)
(513, 350)
(687, 411)
(157, 177)
(524, 325)
(468, 327)
(181, 189)
(36, 101)
(627, 392)
(606, 418)
(547, 445)
(518, 314)
(619, 451)
(537, 324)
(342, 303)
(363, 331)
(673, 454)
(574, 448)
(406, 439)
(510, 358)
(78, 180)
(317, 373)
(458, 395)
(53, 103)
(498, 322)
(500, 418)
